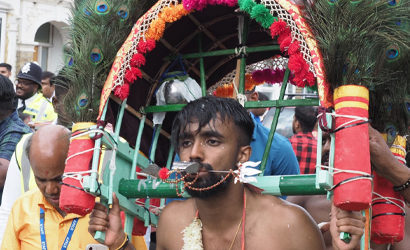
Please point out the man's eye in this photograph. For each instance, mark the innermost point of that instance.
(185, 143)
(213, 142)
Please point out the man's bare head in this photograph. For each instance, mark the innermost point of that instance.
(47, 150)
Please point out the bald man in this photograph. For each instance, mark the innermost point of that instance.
(47, 151)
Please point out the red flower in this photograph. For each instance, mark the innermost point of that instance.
(284, 45)
(283, 35)
(293, 47)
(122, 92)
(144, 47)
(297, 63)
(277, 27)
(310, 78)
(163, 173)
(137, 60)
(299, 81)
(132, 74)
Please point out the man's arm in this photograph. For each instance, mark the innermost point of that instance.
(11, 192)
(386, 165)
(4, 165)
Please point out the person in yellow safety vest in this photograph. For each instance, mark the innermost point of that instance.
(30, 102)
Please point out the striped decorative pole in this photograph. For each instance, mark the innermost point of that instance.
(353, 190)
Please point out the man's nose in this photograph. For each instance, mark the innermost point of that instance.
(52, 187)
(197, 152)
(326, 147)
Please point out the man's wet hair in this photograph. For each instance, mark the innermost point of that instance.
(307, 117)
(207, 109)
(7, 93)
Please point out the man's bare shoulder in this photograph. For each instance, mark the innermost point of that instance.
(175, 217)
(288, 224)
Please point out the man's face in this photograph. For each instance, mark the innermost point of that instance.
(46, 88)
(25, 88)
(48, 170)
(215, 147)
(325, 148)
(4, 71)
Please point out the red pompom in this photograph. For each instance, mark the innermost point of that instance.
(293, 47)
(283, 35)
(265, 75)
(297, 64)
(137, 60)
(150, 44)
(132, 74)
(310, 78)
(122, 92)
(299, 81)
(277, 27)
(163, 173)
(284, 45)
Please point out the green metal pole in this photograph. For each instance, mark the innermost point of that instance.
(242, 72)
(224, 52)
(137, 148)
(116, 136)
(155, 142)
(248, 105)
(170, 154)
(274, 124)
(96, 156)
(202, 66)
(272, 185)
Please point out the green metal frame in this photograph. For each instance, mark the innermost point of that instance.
(123, 180)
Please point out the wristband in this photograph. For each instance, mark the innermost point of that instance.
(402, 187)
(124, 244)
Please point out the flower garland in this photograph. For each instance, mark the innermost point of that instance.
(227, 89)
(146, 44)
(297, 64)
(193, 236)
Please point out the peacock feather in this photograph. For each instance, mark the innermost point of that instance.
(366, 42)
(97, 30)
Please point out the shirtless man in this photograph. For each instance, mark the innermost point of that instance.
(319, 207)
(216, 133)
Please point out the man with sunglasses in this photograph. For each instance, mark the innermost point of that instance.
(31, 102)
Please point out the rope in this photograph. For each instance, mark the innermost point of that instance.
(240, 51)
(348, 124)
(362, 176)
(240, 97)
(390, 200)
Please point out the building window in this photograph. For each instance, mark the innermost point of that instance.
(44, 37)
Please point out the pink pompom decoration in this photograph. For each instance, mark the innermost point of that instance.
(265, 75)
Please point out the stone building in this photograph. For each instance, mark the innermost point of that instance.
(33, 30)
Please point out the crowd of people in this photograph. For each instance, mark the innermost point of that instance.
(219, 134)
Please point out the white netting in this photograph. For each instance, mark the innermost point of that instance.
(271, 63)
(143, 28)
(296, 34)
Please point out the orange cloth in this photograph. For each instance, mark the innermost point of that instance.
(23, 226)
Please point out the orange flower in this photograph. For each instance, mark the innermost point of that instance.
(156, 29)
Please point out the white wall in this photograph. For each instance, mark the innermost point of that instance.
(55, 53)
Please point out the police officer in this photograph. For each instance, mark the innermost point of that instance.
(28, 83)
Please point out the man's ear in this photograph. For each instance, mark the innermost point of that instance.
(244, 153)
(55, 103)
(254, 96)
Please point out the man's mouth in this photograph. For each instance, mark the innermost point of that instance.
(54, 199)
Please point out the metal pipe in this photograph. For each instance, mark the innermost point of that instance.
(274, 124)
(155, 142)
(137, 148)
(272, 185)
(248, 105)
(224, 52)
(202, 66)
